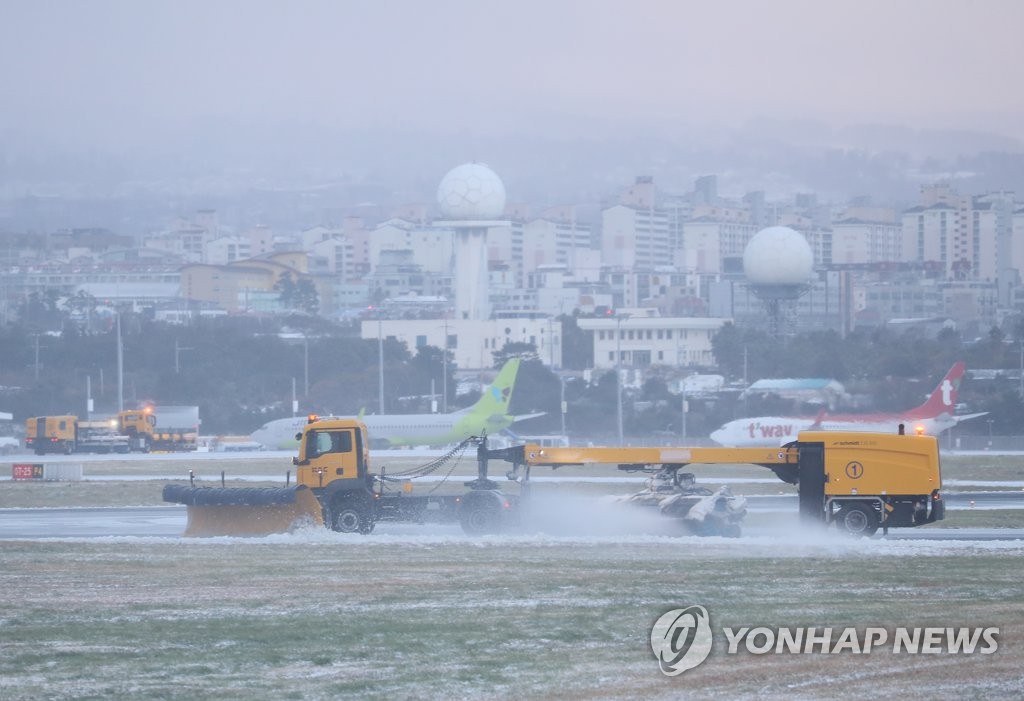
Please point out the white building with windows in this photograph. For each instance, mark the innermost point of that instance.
(472, 343)
(228, 249)
(555, 240)
(432, 247)
(860, 241)
(708, 242)
(960, 232)
(635, 340)
(635, 238)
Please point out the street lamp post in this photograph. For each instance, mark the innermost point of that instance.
(562, 405)
(380, 365)
(120, 367)
(444, 369)
(682, 392)
(618, 372)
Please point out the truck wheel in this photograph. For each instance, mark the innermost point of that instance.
(730, 530)
(857, 520)
(351, 517)
(481, 514)
(144, 444)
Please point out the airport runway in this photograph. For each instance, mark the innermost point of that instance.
(92, 522)
(169, 522)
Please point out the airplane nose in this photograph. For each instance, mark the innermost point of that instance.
(718, 436)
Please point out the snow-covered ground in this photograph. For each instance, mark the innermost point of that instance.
(436, 615)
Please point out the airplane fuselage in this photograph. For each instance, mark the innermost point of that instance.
(776, 430)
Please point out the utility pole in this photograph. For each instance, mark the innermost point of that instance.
(444, 369)
(380, 365)
(177, 362)
(551, 344)
(618, 371)
(120, 367)
(305, 364)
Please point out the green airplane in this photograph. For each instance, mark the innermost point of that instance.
(489, 415)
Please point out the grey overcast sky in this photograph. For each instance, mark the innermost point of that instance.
(101, 69)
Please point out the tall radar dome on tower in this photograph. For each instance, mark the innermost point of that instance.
(778, 256)
(471, 191)
(778, 263)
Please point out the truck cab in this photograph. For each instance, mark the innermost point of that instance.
(332, 450)
(334, 462)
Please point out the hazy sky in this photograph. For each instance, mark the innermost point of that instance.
(89, 69)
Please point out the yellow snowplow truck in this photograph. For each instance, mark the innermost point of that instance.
(335, 487)
(858, 481)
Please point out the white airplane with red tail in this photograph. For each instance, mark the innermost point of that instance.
(931, 418)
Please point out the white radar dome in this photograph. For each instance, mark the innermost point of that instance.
(471, 191)
(778, 255)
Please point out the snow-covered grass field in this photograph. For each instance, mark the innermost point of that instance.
(319, 615)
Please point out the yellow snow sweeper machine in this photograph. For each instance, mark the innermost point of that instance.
(859, 481)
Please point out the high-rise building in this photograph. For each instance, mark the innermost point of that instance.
(634, 238)
(960, 233)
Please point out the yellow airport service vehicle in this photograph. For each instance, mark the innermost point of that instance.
(860, 481)
(162, 428)
(68, 434)
(142, 430)
(336, 487)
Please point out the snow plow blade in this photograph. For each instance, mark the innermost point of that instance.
(245, 512)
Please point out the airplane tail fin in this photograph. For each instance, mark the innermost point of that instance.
(943, 398)
(816, 426)
(496, 397)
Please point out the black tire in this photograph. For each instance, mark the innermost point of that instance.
(480, 513)
(708, 527)
(730, 530)
(351, 517)
(144, 444)
(858, 520)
